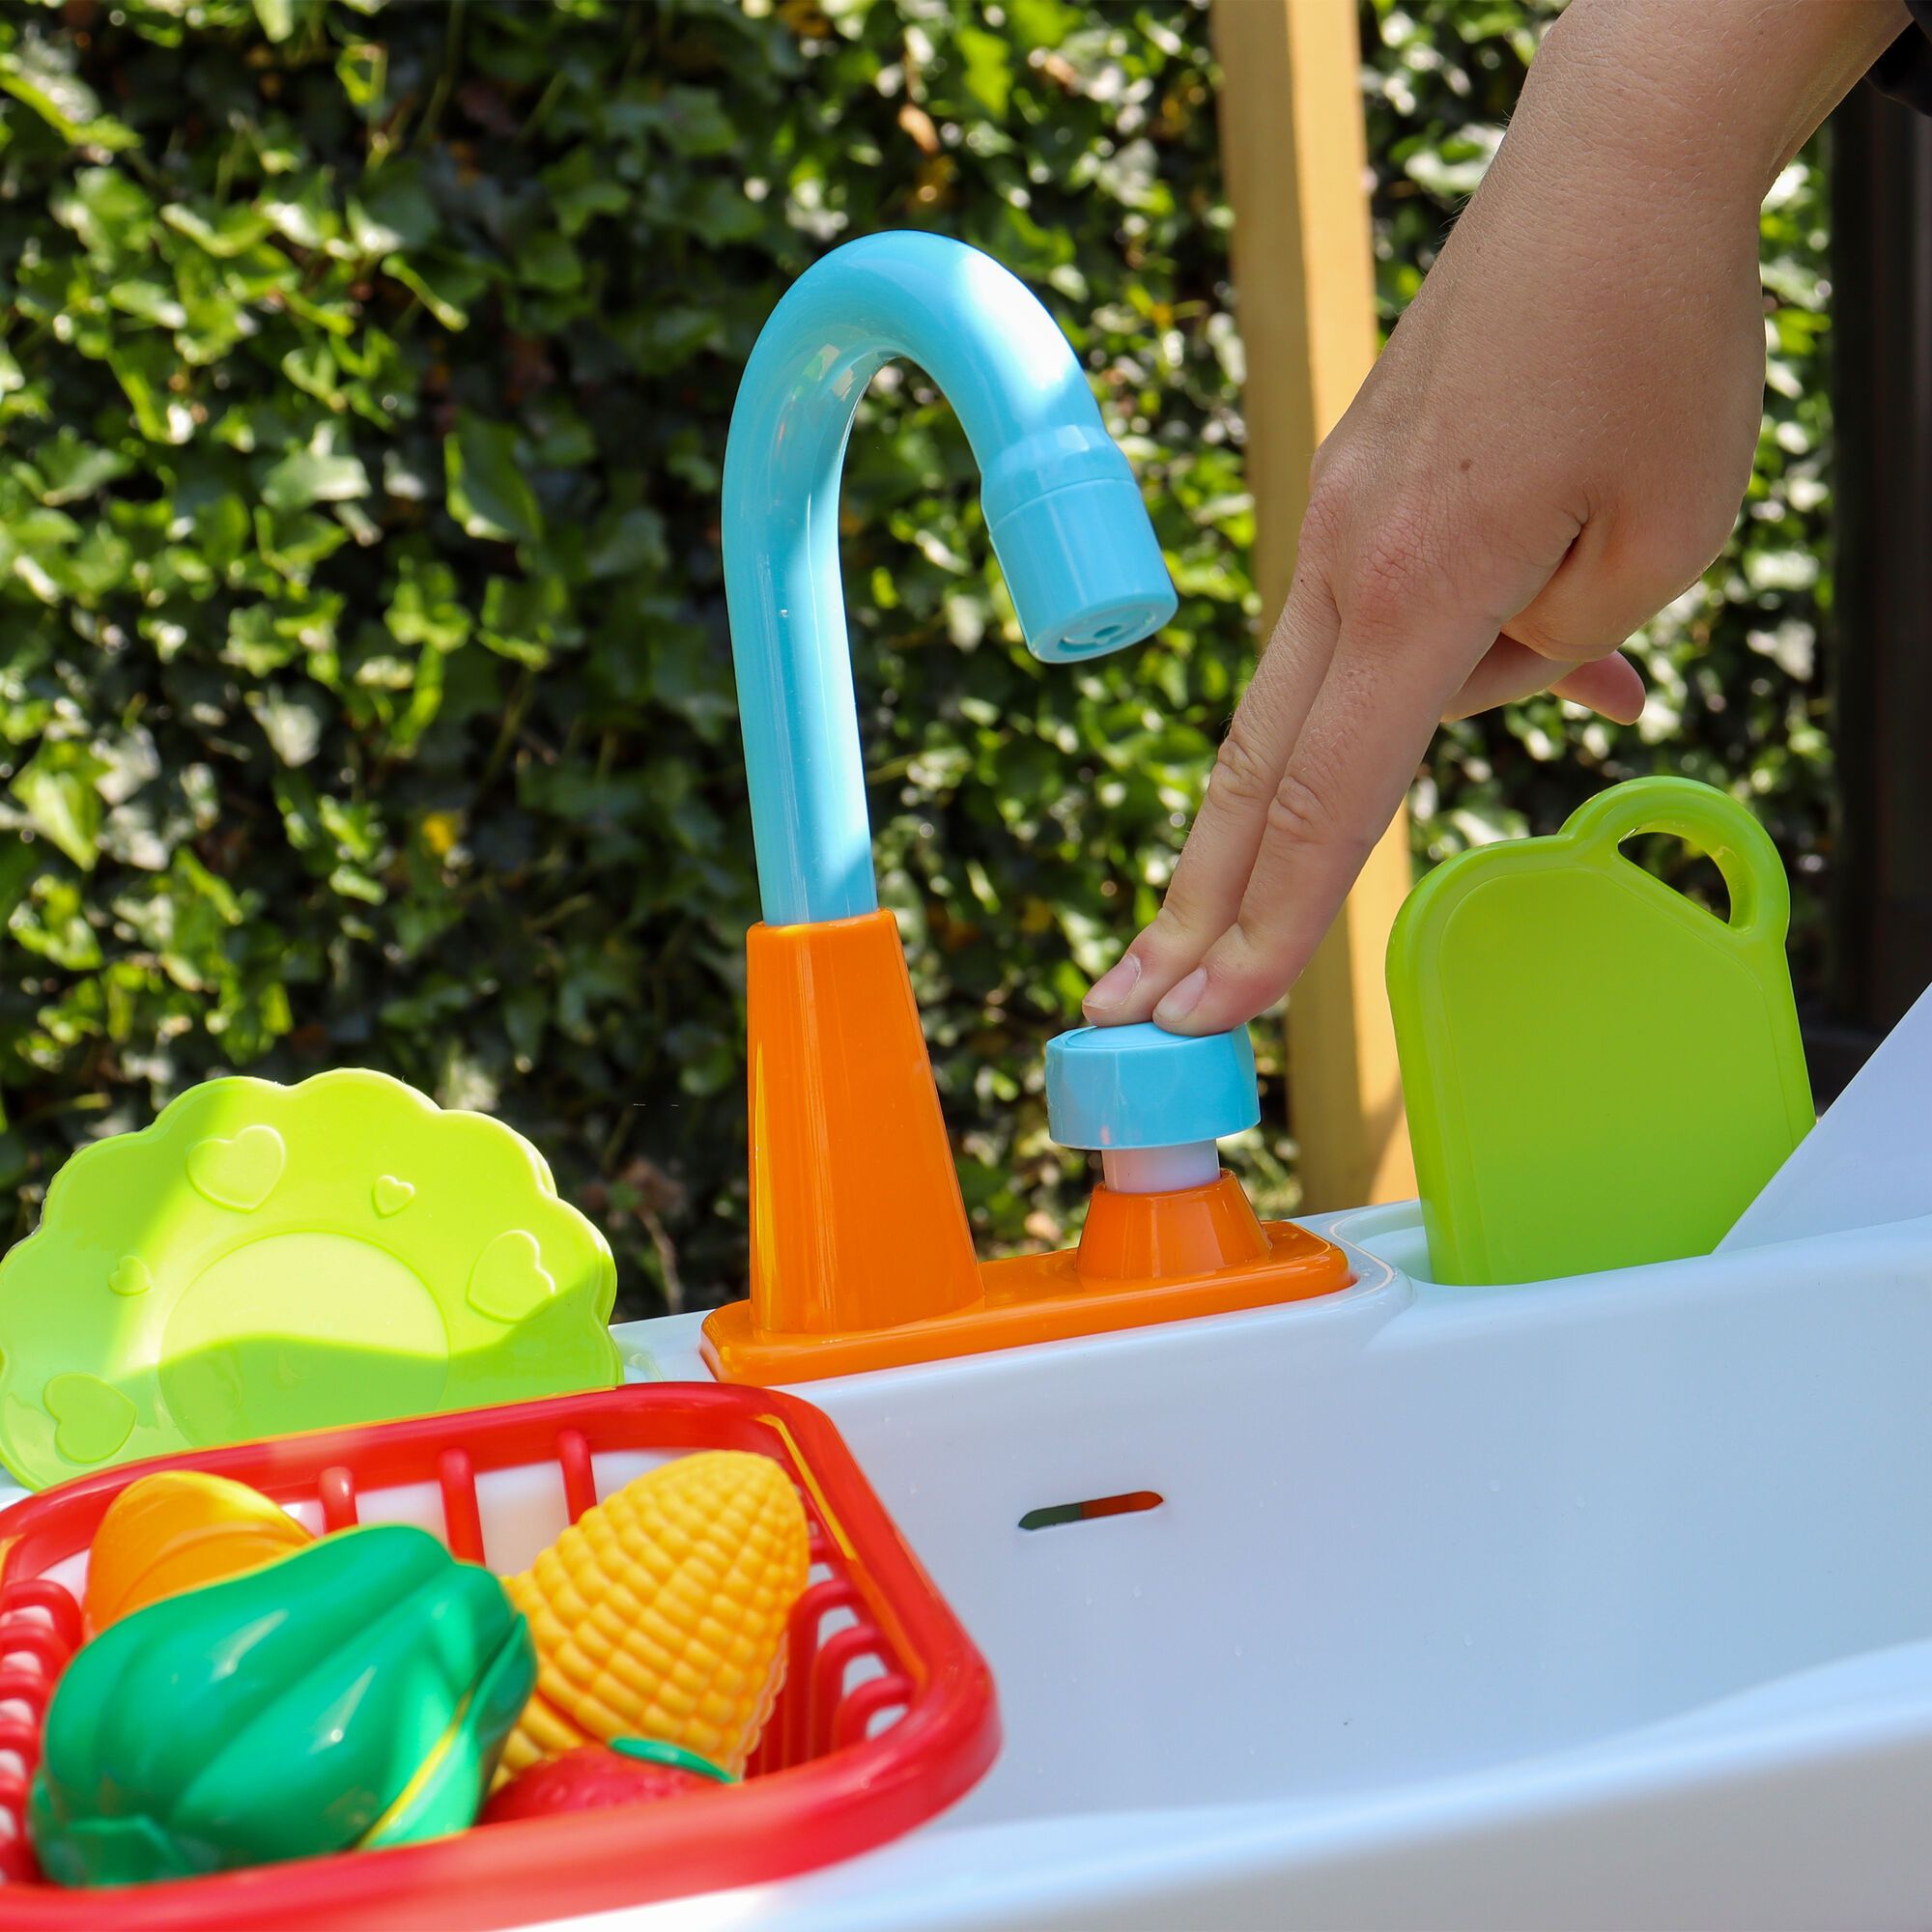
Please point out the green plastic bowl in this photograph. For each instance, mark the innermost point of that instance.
(267, 1259)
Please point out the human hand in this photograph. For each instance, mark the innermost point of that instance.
(1552, 446)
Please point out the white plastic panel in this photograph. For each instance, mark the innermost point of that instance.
(1462, 1607)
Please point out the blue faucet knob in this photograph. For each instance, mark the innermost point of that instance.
(1130, 1087)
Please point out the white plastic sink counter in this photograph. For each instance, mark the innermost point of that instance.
(1601, 1602)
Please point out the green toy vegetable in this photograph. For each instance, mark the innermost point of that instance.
(355, 1694)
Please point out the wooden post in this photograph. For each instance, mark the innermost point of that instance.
(1296, 164)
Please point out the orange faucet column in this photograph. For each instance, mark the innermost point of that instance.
(857, 1220)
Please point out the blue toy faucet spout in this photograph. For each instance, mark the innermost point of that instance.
(1066, 517)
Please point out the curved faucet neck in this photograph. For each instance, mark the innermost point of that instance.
(1035, 431)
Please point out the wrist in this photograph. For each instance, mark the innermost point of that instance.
(1719, 96)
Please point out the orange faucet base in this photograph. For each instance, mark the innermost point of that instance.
(1144, 1259)
(857, 1221)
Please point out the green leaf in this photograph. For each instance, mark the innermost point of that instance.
(691, 676)
(148, 300)
(580, 189)
(221, 527)
(306, 216)
(445, 288)
(109, 211)
(290, 720)
(717, 210)
(306, 477)
(144, 365)
(547, 261)
(312, 370)
(527, 618)
(627, 540)
(487, 491)
(294, 545)
(53, 923)
(989, 73)
(663, 337)
(40, 75)
(424, 609)
(19, 864)
(364, 72)
(72, 468)
(59, 789)
(223, 232)
(255, 644)
(693, 120)
(277, 17)
(393, 213)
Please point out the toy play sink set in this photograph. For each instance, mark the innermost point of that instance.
(1547, 1552)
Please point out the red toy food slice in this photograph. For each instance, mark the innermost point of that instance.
(624, 1771)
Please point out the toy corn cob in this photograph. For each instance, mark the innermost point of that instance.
(661, 1612)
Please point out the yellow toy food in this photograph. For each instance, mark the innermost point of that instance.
(661, 1612)
(176, 1531)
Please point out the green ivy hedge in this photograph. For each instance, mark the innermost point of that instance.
(366, 693)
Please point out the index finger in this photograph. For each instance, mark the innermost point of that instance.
(1350, 768)
(1204, 894)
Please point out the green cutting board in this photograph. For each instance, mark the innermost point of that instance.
(1599, 1071)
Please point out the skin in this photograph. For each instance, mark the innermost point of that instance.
(1552, 446)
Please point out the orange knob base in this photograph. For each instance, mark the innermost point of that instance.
(1153, 1237)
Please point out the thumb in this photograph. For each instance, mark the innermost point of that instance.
(1509, 670)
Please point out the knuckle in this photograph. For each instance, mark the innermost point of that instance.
(1242, 775)
(1232, 963)
(1308, 811)
(1244, 988)
(1391, 570)
(1253, 966)
(1346, 462)
(1331, 491)
(1171, 932)
(1669, 552)
(1300, 811)
(1560, 643)
(1330, 453)
(1703, 536)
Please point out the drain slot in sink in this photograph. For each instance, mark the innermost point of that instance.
(1054, 1514)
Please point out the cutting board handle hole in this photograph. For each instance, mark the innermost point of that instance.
(1681, 866)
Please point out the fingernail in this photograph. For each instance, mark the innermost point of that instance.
(1113, 985)
(1183, 998)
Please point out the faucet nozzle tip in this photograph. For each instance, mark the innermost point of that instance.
(1083, 568)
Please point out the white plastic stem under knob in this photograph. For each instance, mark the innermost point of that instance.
(1161, 1169)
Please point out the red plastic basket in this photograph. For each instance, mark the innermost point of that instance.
(886, 1714)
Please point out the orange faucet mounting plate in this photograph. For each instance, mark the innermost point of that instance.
(1144, 1259)
(862, 1257)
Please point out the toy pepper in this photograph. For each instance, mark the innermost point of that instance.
(178, 1530)
(355, 1693)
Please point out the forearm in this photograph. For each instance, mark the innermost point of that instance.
(1551, 447)
(1648, 134)
(1717, 92)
